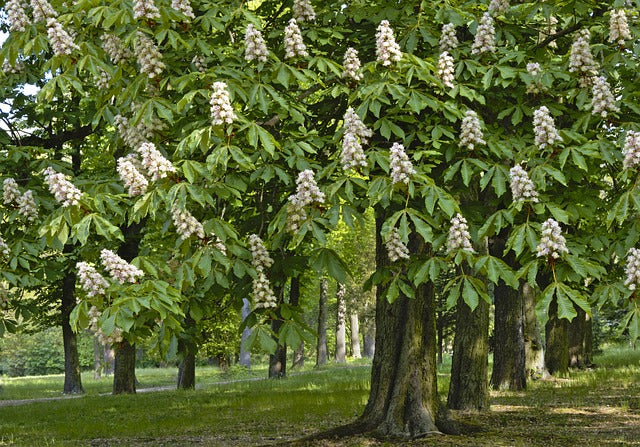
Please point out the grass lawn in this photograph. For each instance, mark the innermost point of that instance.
(589, 408)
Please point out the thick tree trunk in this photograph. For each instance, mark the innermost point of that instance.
(469, 388)
(341, 331)
(245, 355)
(278, 360)
(557, 352)
(577, 334)
(108, 358)
(187, 371)
(124, 377)
(533, 348)
(355, 336)
(97, 358)
(321, 349)
(440, 335)
(298, 356)
(403, 399)
(72, 377)
(369, 340)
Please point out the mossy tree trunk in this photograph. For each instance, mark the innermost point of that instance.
(533, 347)
(124, 377)
(557, 352)
(72, 377)
(187, 349)
(577, 333)
(321, 348)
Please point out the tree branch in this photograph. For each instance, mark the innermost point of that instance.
(55, 140)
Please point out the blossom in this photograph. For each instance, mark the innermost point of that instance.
(485, 39)
(618, 27)
(62, 189)
(10, 191)
(631, 150)
(471, 131)
(186, 224)
(102, 80)
(27, 206)
(154, 162)
(544, 128)
(199, 62)
(498, 7)
(448, 40)
(351, 64)
(400, 165)
(149, 57)
(396, 249)
(131, 177)
(221, 109)
(303, 10)
(132, 136)
(5, 251)
(118, 268)
(307, 193)
(552, 242)
(549, 30)
(184, 6)
(91, 281)
(632, 269)
(260, 258)
(15, 68)
(387, 50)
(603, 100)
(522, 188)
(446, 69)
(17, 16)
(535, 71)
(145, 9)
(293, 44)
(61, 41)
(355, 134)
(42, 10)
(262, 293)
(113, 46)
(254, 46)
(580, 58)
(459, 237)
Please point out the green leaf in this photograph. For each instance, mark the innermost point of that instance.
(565, 305)
(469, 295)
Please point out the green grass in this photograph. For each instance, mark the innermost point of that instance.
(599, 407)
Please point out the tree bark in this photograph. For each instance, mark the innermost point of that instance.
(588, 341)
(187, 349)
(440, 335)
(341, 315)
(369, 340)
(557, 352)
(298, 356)
(245, 355)
(577, 333)
(469, 388)
(533, 348)
(355, 336)
(278, 360)
(72, 377)
(321, 356)
(97, 358)
(124, 377)
(108, 357)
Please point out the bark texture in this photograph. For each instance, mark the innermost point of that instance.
(321, 348)
(298, 356)
(355, 335)
(278, 360)
(124, 377)
(97, 358)
(245, 355)
(533, 347)
(187, 371)
(557, 352)
(369, 340)
(72, 377)
(341, 325)
(579, 357)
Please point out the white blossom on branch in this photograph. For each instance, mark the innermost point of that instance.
(119, 269)
(90, 280)
(544, 128)
(448, 40)
(400, 165)
(293, 44)
(459, 237)
(396, 249)
(221, 109)
(485, 39)
(62, 189)
(552, 243)
(387, 50)
(619, 27)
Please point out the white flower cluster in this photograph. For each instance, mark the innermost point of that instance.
(27, 206)
(446, 69)
(116, 335)
(118, 268)
(145, 9)
(199, 62)
(186, 224)
(62, 189)
(631, 150)
(603, 100)
(471, 131)
(632, 269)
(221, 109)
(10, 191)
(552, 242)
(17, 16)
(148, 55)
(91, 281)
(580, 58)
(154, 162)
(548, 31)
(395, 247)
(618, 27)
(15, 68)
(355, 135)
(387, 50)
(485, 39)
(255, 47)
(459, 237)
(448, 40)
(115, 48)
(42, 10)
(5, 251)
(303, 10)
(351, 65)
(61, 42)
(307, 193)
(260, 259)
(535, 71)
(132, 136)
(400, 165)
(544, 128)
(498, 7)
(132, 177)
(184, 6)
(522, 188)
(219, 245)
(293, 44)
(103, 79)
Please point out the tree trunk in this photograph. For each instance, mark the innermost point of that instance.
(124, 377)
(72, 377)
(187, 371)
(321, 356)
(108, 358)
(440, 329)
(278, 360)
(577, 333)
(341, 315)
(355, 336)
(557, 352)
(403, 399)
(298, 356)
(369, 340)
(588, 341)
(469, 389)
(97, 358)
(533, 348)
(245, 355)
